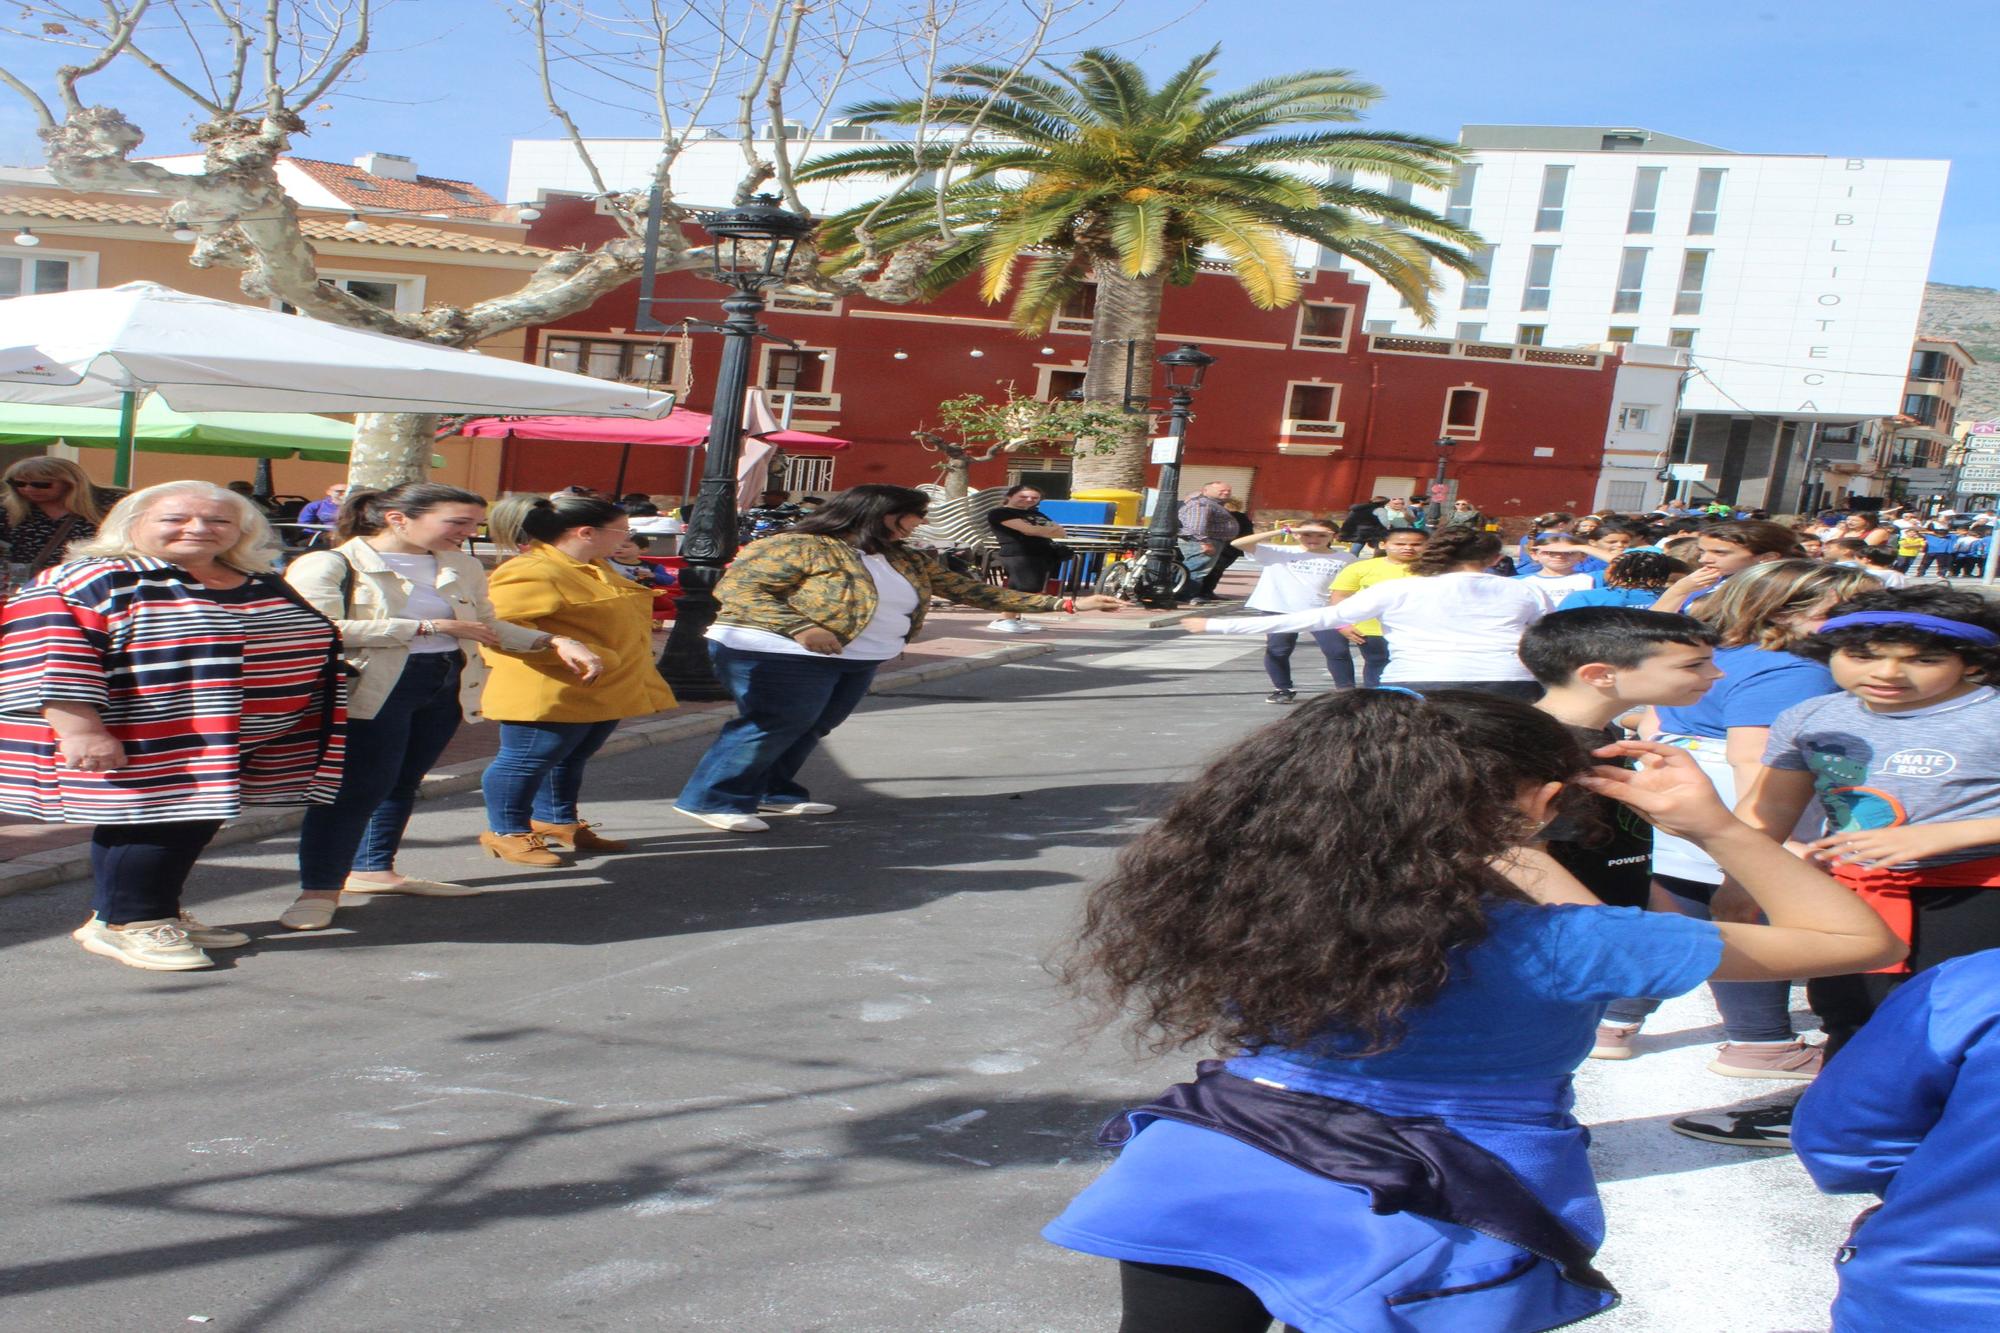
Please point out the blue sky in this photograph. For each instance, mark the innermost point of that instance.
(450, 83)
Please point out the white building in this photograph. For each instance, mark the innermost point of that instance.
(1793, 281)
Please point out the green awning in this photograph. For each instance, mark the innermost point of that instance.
(161, 430)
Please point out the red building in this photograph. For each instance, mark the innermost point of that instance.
(1303, 411)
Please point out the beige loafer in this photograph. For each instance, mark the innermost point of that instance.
(416, 888)
(308, 914)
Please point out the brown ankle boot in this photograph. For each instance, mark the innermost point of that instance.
(523, 849)
(577, 837)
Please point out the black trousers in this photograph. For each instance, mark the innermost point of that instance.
(140, 869)
(1949, 923)
(1159, 1298)
(1027, 573)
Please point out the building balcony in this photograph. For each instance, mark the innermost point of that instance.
(801, 401)
(1402, 344)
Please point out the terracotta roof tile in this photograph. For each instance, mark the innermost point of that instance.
(315, 228)
(426, 194)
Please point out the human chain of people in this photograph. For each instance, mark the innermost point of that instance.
(1544, 789)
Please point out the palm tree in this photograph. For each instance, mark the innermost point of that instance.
(1091, 175)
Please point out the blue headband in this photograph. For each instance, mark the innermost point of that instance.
(1950, 629)
(1395, 689)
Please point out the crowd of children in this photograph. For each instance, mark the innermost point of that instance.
(1407, 915)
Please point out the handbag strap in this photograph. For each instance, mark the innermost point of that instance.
(55, 541)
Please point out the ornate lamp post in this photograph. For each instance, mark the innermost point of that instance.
(1444, 444)
(1185, 367)
(752, 248)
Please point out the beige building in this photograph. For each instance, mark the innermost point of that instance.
(382, 232)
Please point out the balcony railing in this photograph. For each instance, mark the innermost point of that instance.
(1398, 344)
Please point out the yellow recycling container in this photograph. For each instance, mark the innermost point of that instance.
(1124, 504)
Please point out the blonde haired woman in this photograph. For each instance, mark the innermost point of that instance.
(48, 504)
(153, 685)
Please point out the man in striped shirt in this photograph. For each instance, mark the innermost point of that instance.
(1205, 527)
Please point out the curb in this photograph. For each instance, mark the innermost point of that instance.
(38, 870)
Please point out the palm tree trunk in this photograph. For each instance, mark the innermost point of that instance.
(1126, 324)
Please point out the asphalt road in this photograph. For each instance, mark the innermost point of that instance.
(815, 1080)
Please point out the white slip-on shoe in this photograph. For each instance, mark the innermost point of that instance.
(415, 888)
(211, 937)
(795, 808)
(725, 820)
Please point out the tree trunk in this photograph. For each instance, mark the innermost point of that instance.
(957, 478)
(391, 448)
(1128, 316)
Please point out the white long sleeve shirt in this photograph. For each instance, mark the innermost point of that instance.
(1460, 626)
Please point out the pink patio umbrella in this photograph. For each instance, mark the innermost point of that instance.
(679, 429)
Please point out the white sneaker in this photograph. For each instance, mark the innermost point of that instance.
(212, 937)
(795, 808)
(1013, 627)
(727, 822)
(157, 946)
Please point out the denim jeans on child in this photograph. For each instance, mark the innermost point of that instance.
(784, 704)
(387, 757)
(539, 772)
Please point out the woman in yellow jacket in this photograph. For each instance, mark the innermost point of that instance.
(551, 723)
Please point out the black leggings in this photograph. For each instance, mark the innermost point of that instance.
(1947, 924)
(1163, 1299)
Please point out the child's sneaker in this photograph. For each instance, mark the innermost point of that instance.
(1758, 1127)
(1614, 1041)
(1281, 697)
(1790, 1060)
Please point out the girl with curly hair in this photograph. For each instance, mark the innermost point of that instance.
(1348, 906)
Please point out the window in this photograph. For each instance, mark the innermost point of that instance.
(1621, 333)
(1680, 338)
(1464, 410)
(1057, 385)
(1458, 208)
(1923, 365)
(789, 371)
(1308, 404)
(1921, 406)
(1555, 185)
(1077, 313)
(808, 474)
(38, 276)
(1479, 284)
(1626, 497)
(1645, 200)
(1635, 418)
(1707, 195)
(1469, 333)
(1530, 335)
(1694, 274)
(1541, 272)
(390, 292)
(1379, 326)
(1323, 326)
(621, 359)
(1631, 277)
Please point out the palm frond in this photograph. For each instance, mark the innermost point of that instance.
(1256, 251)
(1139, 232)
(1045, 287)
(1185, 90)
(1114, 87)
(1047, 97)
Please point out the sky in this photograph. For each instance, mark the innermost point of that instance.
(450, 82)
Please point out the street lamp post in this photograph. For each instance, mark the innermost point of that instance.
(1185, 365)
(752, 247)
(1444, 444)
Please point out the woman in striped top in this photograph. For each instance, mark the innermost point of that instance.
(154, 685)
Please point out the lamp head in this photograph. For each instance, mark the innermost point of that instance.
(1445, 442)
(1186, 365)
(754, 243)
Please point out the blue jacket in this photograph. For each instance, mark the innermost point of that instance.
(1907, 1112)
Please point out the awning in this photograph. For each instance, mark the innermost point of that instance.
(159, 429)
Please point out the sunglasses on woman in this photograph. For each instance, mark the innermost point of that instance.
(24, 485)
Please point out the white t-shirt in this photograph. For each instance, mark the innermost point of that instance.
(1553, 590)
(1460, 626)
(424, 601)
(885, 635)
(1294, 579)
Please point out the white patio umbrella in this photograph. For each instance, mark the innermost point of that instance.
(110, 346)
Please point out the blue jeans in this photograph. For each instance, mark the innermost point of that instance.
(1198, 563)
(1278, 657)
(1751, 1010)
(387, 757)
(784, 704)
(539, 772)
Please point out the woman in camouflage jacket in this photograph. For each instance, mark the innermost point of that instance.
(805, 619)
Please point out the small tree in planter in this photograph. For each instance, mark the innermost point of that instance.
(975, 429)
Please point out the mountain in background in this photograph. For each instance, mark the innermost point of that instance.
(1970, 316)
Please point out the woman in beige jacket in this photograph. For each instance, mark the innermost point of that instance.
(407, 601)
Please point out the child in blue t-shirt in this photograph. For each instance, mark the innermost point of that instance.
(1347, 902)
